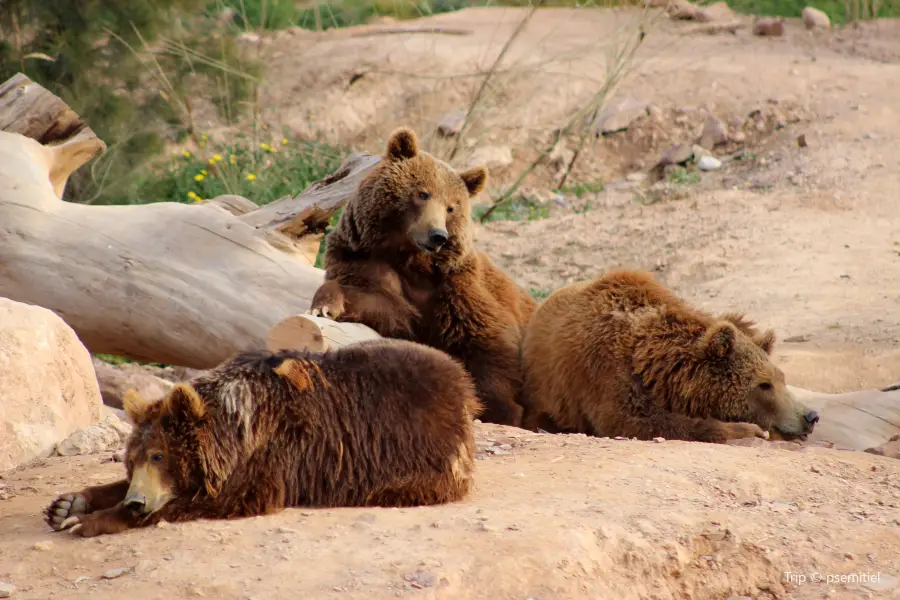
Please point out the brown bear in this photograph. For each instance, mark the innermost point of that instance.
(379, 423)
(401, 261)
(623, 356)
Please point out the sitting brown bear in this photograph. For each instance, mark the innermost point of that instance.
(401, 261)
(380, 423)
(623, 356)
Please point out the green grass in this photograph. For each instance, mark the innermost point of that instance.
(579, 190)
(540, 294)
(792, 8)
(261, 172)
(680, 175)
(520, 209)
(121, 360)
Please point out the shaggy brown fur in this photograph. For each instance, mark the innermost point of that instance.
(401, 261)
(383, 423)
(623, 356)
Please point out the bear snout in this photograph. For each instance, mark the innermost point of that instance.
(437, 238)
(135, 502)
(810, 419)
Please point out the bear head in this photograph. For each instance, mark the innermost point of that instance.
(172, 452)
(413, 203)
(733, 367)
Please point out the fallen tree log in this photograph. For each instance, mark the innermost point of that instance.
(317, 334)
(172, 283)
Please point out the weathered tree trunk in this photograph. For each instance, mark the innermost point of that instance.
(306, 332)
(166, 282)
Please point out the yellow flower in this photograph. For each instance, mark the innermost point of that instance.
(201, 144)
(232, 159)
(204, 138)
(266, 127)
(186, 154)
(204, 171)
(217, 157)
(192, 195)
(211, 161)
(199, 177)
(265, 146)
(198, 200)
(284, 141)
(250, 176)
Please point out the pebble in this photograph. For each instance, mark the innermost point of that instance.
(45, 546)
(709, 163)
(6, 589)
(287, 530)
(114, 573)
(659, 440)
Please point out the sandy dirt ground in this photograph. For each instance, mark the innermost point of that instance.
(806, 240)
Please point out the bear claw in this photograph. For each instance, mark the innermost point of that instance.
(63, 509)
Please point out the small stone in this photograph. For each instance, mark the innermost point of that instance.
(43, 546)
(738, 136)
(815, 469)
(813, 18)
(451, 123)
(798, 339)
(677, 155)
(421, 579)
(768, 27)
(115, 573)
(659, 440)
(714, 132)
(286, 530)
(709, 163)
(482, 526)
(619, 116)
(6, 589)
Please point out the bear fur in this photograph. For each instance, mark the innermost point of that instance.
(379, 423)
(623, 356)
(401, 261)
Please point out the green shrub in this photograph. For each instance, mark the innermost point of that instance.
(261, 172)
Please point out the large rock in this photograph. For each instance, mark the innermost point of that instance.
(116, 380)
(813, 18)
(47, 383)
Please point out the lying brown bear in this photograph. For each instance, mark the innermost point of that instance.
(623, 356)
(402, 261)
(381, 423)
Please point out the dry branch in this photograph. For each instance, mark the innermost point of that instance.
(166, 282)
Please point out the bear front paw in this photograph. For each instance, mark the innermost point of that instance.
(734, 431)
(327, 311)
(60, 513)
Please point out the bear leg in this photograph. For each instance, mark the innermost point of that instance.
(88, 500)
(673, 426)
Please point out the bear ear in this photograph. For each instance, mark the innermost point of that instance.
(135, 406)
(766, 341)
(402, 144)
(184, 399)
(475, 179)
(718, 341)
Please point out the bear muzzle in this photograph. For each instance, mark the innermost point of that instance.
(434, 240)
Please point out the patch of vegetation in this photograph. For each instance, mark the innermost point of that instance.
(540, 294)
(258, 14)
(95, 56)
(579, 190)
(112, 359)
(835, 9)
(332, 223)
(261, 172)
(680, 175)
(518, 209)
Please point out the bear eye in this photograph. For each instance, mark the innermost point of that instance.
(449, 209)
(424, 195)
(156, 457)
(765, 386)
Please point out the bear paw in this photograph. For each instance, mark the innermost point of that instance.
(734, 431)
(60, 513)
(326, 312)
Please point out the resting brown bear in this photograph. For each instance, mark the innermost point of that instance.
(380, 423)
(401, 261)
(623, 356)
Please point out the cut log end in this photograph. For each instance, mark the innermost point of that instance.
(316, 334)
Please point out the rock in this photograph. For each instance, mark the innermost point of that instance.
(768, 27)
(48, 385)
(714, 132)
(890, 449)
(720, 11)
(115, 380)
(115, 573)
(618, 116)
(659, 440)
(451, 123)
(681, 9)
(492, 157)
(100, 437)
(676, 155)
(43, 546)
(801, 140)
(709, 163)
(813, 18)
(6, 589)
